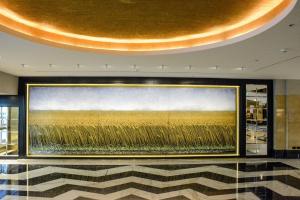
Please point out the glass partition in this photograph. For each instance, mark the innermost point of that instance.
(257, 119)
(9, 130)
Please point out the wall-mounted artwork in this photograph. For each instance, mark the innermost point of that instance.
(131, 120)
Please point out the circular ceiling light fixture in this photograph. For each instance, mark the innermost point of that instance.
(146, 27)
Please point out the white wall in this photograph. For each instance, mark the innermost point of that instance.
(8, 84)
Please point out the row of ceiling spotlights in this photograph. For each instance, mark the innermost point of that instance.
(135, 67)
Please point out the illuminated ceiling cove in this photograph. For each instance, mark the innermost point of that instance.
(138, 25)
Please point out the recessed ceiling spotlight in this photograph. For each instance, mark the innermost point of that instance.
(190, 67)
(162, 67)
(51, 65)
(24, 65)
(284, 50)
(135, 68)
(292, 25)
(107, 66)
(214, 68)
(241, 68)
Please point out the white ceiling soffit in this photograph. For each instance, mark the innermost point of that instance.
(272, 54)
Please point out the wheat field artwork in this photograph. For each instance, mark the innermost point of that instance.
(120, 120)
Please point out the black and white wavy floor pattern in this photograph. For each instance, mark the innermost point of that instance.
(258, 180)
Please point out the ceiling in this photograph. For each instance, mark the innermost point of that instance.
(138, 26)
(274, 53)
(122, 18)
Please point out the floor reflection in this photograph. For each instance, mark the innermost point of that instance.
(167, 181)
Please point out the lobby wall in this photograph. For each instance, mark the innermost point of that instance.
(287, 115)
(143, 80)
(8, 84)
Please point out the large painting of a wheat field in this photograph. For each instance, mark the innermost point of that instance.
(131, 120)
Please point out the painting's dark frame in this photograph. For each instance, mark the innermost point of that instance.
(152, 80)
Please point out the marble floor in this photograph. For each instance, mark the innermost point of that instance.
(170, 179)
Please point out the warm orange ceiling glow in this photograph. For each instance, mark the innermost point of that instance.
(263, 13)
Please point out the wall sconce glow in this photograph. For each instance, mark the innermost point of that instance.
(263, 15)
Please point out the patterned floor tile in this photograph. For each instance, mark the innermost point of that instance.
(240, 179)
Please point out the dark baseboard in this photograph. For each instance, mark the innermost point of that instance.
(286, 153)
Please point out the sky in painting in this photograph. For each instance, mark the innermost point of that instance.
(132, 98)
